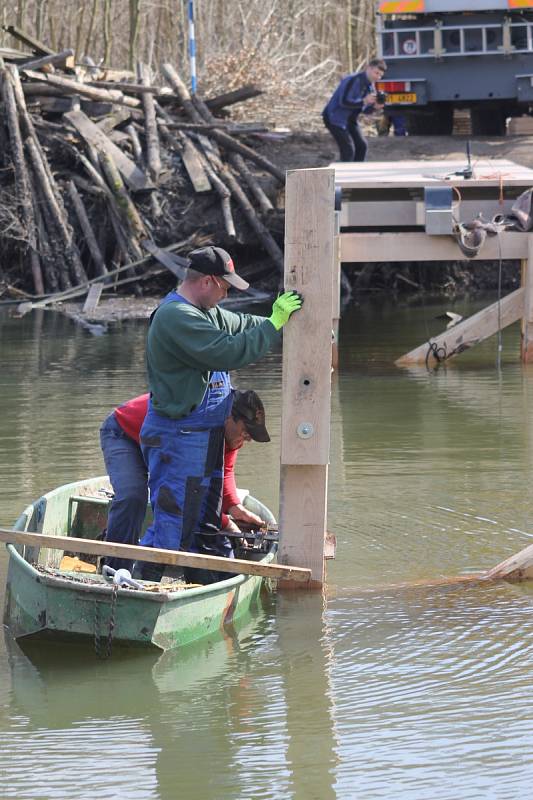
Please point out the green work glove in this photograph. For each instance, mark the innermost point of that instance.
(286, 304)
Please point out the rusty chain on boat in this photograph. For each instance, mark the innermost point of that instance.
(100, 652)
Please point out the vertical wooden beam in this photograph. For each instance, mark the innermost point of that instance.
(526, 348)
(336, 289)
(305, 420)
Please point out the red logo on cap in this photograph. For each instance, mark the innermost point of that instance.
(229, 266)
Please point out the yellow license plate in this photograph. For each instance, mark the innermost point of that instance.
(406, 97)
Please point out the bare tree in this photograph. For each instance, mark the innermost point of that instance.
(296, 49)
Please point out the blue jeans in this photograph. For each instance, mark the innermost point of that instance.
(129, 478)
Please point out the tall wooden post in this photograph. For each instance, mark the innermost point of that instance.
(336, 296)
(527, 319)
(305, 421)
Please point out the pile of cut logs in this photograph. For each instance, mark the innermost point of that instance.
(100, 167)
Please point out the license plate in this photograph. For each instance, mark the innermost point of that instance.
(405, 97)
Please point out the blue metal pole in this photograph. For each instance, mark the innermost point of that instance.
(192, 47)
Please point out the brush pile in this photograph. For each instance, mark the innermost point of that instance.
(97, 166)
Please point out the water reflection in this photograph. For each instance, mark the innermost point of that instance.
(425, 680)
(384, 691)
(248, 705)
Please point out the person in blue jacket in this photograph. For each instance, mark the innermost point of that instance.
(354, 95)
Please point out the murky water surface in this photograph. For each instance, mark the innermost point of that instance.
(380, 691)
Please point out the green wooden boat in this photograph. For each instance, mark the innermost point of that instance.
(44, 601)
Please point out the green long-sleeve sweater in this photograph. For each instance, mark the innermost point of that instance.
(186, 343)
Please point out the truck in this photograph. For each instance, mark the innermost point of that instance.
(444, 55)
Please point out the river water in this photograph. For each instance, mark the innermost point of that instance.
(375, 691)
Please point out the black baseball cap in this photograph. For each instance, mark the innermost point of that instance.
(248, 407)
(216, 261)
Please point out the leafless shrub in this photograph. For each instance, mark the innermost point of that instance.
(296, 49)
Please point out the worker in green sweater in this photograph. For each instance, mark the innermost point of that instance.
(192, 344)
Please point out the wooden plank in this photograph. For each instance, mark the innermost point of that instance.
(75, 87)
(111, 121)
(55, 105)
(401, 246)
(34, 44)
(526, 345)
(93, 298)
(336, 294)
(94, 136)
(9, 54)
(303, 506)
(309, 262)
(383, 174)
(520, 126)
(132, 88)
(63, 58)
(194, 167)
(154, 555)
(236, 96)
(469, 332)
(306, 392)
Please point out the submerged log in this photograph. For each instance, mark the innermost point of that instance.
(516, 568)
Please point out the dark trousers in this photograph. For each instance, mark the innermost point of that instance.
(351, 142)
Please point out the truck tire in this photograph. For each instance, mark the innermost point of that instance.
(438, 122)
(487, 122)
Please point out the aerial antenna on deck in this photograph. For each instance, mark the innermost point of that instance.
(467, 172)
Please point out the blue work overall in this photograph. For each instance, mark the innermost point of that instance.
(185, 459)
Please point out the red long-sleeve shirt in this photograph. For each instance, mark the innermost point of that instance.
(130, 416)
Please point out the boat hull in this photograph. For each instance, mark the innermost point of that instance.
(40, 603)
